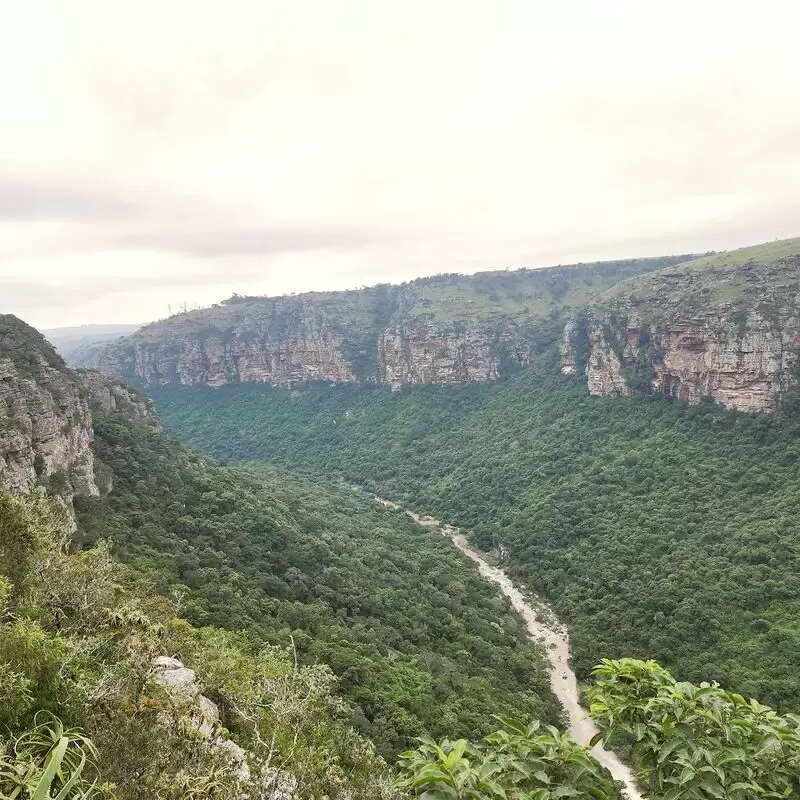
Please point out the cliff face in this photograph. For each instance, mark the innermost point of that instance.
(112, 394)
(695, 358)
(45, 424)
(214, 361)
(728, 330)
(445, 330)
(429, 356)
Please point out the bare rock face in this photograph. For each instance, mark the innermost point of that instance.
(447, 329)
(604, 369)
(725, 326)
(399, 356)
(566, 351)
(214, 362)
(742, 362)
(112, 394)
(45, 430)
(427, 356)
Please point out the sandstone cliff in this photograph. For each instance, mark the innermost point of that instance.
(112, 394)
(446, 330)
(726, 328)
(45, 424)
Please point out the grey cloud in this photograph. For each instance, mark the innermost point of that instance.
(236, 241)
(44, 200)
(290, 147)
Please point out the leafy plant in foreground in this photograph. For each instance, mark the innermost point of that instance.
(695, 742)
(517, 762)
(48, 762)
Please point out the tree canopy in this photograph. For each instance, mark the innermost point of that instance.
(656, 529)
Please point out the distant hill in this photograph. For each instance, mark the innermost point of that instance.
(71, 341)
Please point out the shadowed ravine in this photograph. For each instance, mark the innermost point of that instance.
(544, 627)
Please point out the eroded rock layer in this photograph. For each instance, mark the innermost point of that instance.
(725, 328)
(446, 330)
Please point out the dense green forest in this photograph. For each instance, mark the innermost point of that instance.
(419, 641)
(657, 530)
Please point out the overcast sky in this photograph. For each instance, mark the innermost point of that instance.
(156, 153)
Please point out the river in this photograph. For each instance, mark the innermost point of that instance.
(543, 626)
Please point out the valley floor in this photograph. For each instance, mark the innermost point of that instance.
(543, 626)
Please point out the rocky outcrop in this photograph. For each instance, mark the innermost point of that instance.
(426, 356)
(604, 368)
(112, 394)
(45, 429)
(566, 349)
(742, 363)
(724, 327)
(199, 712)
(202, 715)
(446, 330)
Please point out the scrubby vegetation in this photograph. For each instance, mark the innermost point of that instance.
(81, 714)
(26, 347)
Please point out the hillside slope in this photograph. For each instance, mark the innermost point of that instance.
(419, 641)
(726, 326)
(448, 329)
(87, 648)
(421, 644)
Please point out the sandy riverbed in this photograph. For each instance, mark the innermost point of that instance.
(542, 626)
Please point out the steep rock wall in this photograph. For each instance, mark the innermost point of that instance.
(45, 431)
(447, 329)
(397, 357)
(430, 356)
(741, 361)
(111, 394)
(214, 362)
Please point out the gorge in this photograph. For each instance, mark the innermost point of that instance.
(597, 425)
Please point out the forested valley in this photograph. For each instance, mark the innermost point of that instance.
(418, 640)
(656, 529)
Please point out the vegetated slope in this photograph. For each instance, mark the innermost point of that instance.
(744, 276)
(81, 638)
(725, 326)
(419, 641)
(657, 530)
(84, 641)
(448, 329)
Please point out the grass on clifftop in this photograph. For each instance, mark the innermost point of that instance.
(772, 268)
(447, 301)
